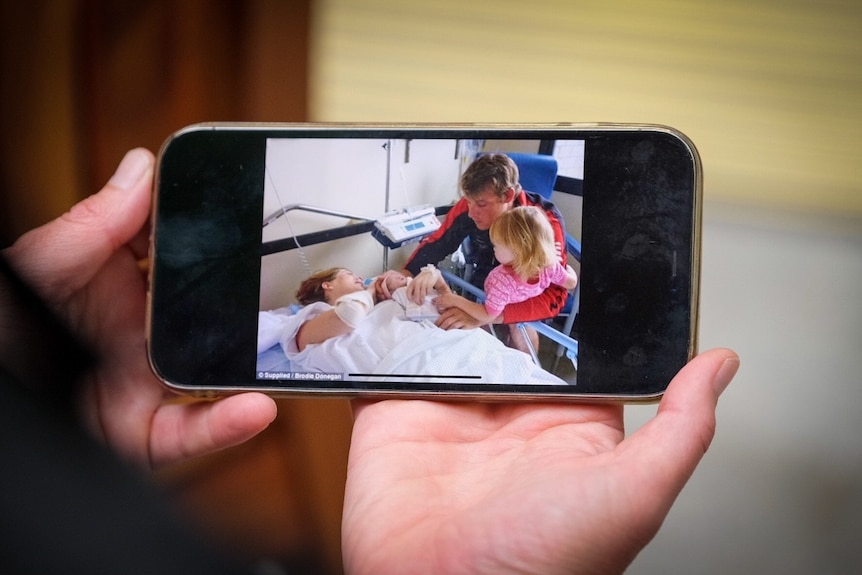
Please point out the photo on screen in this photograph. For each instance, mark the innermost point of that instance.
(343, 211)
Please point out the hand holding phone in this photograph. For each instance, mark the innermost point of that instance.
(476, 469)
(85, 266)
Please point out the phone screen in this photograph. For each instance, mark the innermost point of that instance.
(254, 225)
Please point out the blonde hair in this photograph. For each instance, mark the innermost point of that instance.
(527, 232)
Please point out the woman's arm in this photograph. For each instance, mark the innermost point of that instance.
(440, 286)
(429, 279)
(349, 310)
(321, 328)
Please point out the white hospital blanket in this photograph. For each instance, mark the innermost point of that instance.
(416, 312)
(385, 343)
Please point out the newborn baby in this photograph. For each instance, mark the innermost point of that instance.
(397, 286)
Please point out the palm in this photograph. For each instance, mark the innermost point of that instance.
(473, 480)
(526, 488)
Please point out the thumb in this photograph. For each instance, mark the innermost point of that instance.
(669, 447)
(184, 430)
(383, 289)
(63, 255)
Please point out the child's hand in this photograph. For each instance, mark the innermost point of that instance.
(573, 277)
(446, 301)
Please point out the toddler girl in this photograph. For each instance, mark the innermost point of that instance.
(524, 246)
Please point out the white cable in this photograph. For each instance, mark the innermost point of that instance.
(302, 257)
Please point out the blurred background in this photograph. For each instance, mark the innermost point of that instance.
(770, 92)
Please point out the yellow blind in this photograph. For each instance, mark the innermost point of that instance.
(770, 91)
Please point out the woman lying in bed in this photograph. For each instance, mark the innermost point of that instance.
(344, 327)
(349, 299)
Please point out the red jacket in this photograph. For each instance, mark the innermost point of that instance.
(458, 226)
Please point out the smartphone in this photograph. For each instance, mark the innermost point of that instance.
(245, 214)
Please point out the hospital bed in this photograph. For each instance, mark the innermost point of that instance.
(403, 226)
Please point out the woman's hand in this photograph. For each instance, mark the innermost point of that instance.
(423, 284)
(520, 487)
(86, 266)
(386, 283)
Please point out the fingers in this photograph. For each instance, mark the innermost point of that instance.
(397, 279)
(420, 287)
(63, 255)
(446, 320)
(668, 448)
(381, 290)
(182, 431)
(454, 318)
(411, 288)
(415, 291)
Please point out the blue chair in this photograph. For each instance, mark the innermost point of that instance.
(537, 172)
